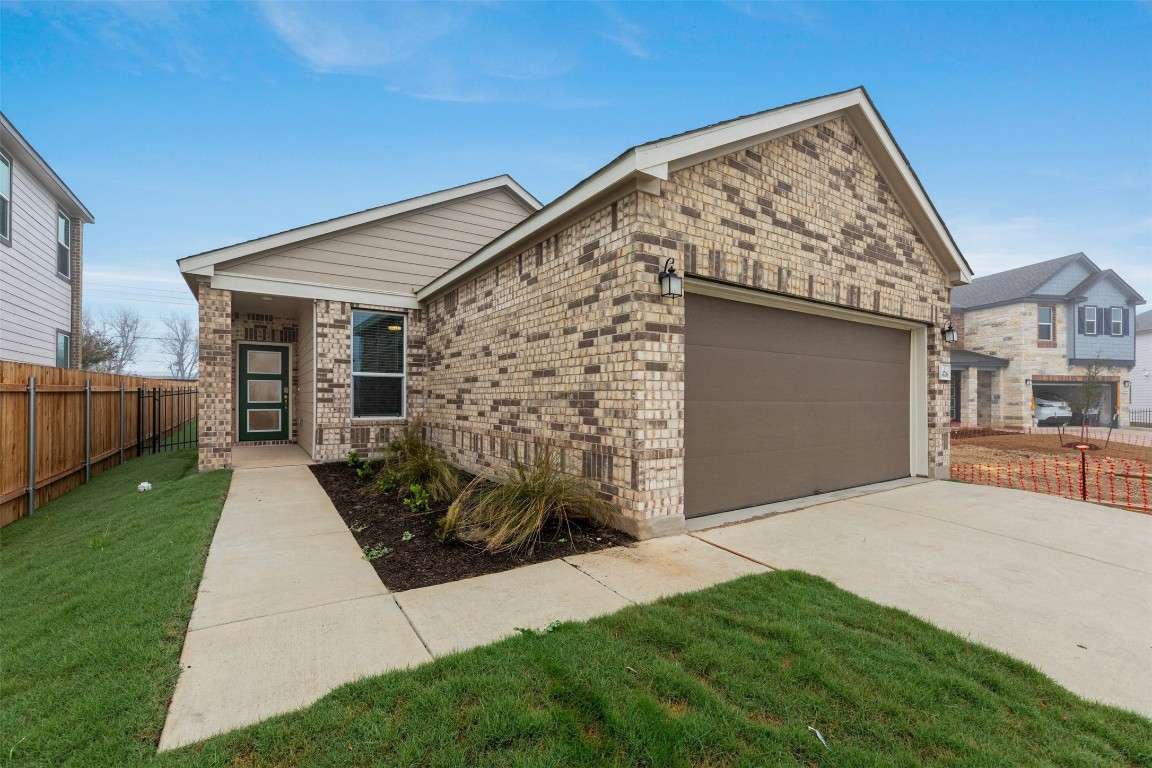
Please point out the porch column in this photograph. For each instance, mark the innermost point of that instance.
(215, 410)
(968, 397)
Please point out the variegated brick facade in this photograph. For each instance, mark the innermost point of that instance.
(336, 431)
(216, 383)
(568, 343)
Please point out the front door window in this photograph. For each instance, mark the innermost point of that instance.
(263, 392)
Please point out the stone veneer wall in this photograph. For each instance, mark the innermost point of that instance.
(336, 431)
(253, 328)
(216, 386)
(568, 342)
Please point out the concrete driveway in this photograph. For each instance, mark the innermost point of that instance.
(1063, 585)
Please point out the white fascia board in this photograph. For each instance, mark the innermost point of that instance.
(14, 143)
(576, 198)
(372, 215)
(276, 287)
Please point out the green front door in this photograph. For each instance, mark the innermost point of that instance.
(263, 392)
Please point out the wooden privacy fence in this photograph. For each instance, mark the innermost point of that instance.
(59, 427)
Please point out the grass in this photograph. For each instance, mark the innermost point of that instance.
(95, 594)
(95, 603)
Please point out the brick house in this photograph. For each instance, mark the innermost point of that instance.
(41, 257)
(1038, 330)
(803, 356)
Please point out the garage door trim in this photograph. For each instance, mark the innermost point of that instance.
(917, 362)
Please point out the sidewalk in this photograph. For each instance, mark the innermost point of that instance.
(288, 609)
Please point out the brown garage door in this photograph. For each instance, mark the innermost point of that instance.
(783, 404)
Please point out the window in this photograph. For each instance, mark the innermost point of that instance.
(1089, 321)
(63, 349)
(5, 198)
(378, 369)
(63, 245)
(1045, 328)
(1117, 321)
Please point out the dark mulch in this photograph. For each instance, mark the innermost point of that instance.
(423, 560)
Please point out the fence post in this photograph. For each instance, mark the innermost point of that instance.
(157, 426)
(140, 421)
(121, 422)
(31, 445)
(87, 431)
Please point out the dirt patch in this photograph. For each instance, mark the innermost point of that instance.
(410, 555)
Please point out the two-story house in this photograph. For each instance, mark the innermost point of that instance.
(1040, 330)
(1140, 390)
(41, 257)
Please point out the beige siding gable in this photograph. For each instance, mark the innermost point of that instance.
(399, 255)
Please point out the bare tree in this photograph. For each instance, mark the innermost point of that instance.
(126, 329)
(97, 350)
(180, 344)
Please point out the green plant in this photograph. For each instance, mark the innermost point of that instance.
(386, 480)
(376, 552)
(365, 470)
(407, 536)
(411, 461)
(510, 515)
(357, 527)
(353, 458)
(417, 500)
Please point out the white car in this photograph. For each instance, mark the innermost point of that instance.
(1052, 410)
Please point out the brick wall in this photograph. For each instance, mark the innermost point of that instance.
(336, 431)
(76, 324)
(568, 342)
(216, 384)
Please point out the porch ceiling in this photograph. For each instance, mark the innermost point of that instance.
(258, 304)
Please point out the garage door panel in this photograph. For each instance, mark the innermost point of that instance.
(810, 378)
(741, 325)
(791, 472)
(734, 428)
(780, 404)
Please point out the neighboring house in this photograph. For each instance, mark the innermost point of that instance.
(41, 257)
(1037, 330)
(804, 355)
(1140, 396)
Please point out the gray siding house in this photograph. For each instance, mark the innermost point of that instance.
(41, 257)
(1140, 390)
(1040, 330)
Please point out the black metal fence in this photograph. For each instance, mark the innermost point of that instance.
(166, 420)
(1140, 417)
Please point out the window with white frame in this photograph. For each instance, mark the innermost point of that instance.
(378, 367)
(5, 198)
(1117, 321)
(1089, 321)
(63, 245)
(63, 349)
(1044, 316)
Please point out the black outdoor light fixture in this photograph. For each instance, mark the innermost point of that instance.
(949, 333)
(1027, 382)
(671, 284)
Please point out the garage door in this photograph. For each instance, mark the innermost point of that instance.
(781, 404)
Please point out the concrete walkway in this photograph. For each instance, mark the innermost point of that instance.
(288, 609)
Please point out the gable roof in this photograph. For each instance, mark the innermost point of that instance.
(645, 165)
(964, 358)
(203, 263)
(1106, 274)
(14, 144)
(1143, 322)
(1024, 282)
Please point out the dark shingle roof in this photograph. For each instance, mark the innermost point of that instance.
(1144, 321)
(1012, 284)
(963, 358)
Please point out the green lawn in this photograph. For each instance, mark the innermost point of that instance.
(95, 593)
(731, 676)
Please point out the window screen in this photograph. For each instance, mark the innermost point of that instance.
(378, 370)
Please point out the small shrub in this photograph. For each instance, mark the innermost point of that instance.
(510, 516)
(417, 500)
(386, 481)
(407, 536)
(411, 461)
(354, 459)
(376, 552)
(365, 470)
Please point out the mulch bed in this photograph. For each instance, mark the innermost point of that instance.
(423, 560)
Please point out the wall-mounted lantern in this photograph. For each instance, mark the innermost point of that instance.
(949, 333)
(1027, 382)
(671, 284)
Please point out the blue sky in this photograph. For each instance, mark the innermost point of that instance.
(189, 126)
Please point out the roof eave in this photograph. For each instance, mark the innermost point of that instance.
(11, 139)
